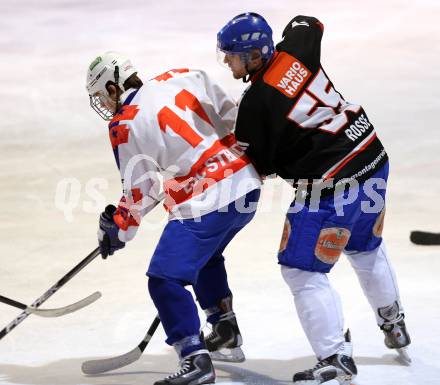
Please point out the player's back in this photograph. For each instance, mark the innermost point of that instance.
(183, 125)
(307, 130)
(179, 114)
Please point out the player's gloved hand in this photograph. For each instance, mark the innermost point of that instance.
(108, 233)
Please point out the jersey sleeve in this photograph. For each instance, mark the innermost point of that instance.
(302, 39)
(224, 106)
(141, 185)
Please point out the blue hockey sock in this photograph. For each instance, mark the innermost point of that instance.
(176, 308)
(188, 345)
(212, 286)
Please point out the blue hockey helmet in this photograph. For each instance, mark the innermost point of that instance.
(244, 33)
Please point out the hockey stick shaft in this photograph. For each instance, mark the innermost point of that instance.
(21, 317)
(150, 332)
(11, 302)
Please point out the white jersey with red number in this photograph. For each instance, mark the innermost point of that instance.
(178, 124)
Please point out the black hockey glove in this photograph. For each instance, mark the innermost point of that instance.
(108, 233)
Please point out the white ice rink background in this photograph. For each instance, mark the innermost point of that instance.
(384, 55)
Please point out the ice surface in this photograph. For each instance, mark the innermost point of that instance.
(382, 54)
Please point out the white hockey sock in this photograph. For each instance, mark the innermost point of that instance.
(377, 278)
(319, 309)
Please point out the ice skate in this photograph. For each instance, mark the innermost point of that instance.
(224, 342)
(338, 369)
(195, 369)
(396, 335)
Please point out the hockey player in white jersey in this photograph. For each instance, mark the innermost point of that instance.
(179, 125)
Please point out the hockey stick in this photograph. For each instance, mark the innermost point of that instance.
(58, 312)
(425, 238)
(15, 322)
(50, 292)
(107, 364)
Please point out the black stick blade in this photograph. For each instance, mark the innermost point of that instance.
(424, 238)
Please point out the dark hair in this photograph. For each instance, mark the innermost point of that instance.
(133, 82)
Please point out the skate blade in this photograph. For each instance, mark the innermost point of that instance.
(228, 355)
(403, 356)
(334, 381)
(338, 382)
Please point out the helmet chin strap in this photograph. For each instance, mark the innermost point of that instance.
(246, 78)
(116, 76)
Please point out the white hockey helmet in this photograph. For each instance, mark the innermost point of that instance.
(109, 67)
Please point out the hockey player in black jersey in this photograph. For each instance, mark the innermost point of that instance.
(294, 123)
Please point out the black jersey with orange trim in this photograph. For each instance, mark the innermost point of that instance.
(293, 122)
